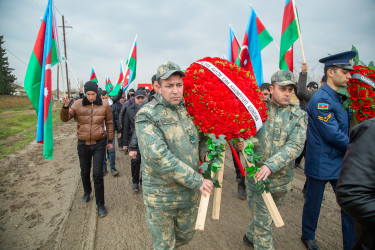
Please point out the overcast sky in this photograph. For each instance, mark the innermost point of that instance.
(180, 31)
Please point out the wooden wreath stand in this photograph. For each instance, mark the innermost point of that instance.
(203, 205)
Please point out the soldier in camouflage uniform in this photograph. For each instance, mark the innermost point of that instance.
(169, 144)
(280, 141)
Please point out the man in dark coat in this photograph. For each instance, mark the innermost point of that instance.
(356, 184)
(128, 130)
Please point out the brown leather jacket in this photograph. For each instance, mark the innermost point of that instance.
(90, 119)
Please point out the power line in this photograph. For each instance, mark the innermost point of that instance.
(14, 55)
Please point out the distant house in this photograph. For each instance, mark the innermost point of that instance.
(18, 90)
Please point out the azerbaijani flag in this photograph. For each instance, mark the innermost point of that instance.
(121, 77)
(93, 76)
(115, 90)
(249, 57)
(131, 66)
(233, 47)
(38, 79)
(108, 85)
(289, 34)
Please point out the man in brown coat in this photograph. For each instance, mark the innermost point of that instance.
(91, 115)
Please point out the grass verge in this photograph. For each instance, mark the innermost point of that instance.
(18, 128)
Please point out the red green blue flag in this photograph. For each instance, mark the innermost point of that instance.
(108, 85)
(289, 34)
(93, 76)
(38, 79)
(233, 47)
(116, 89)
(131, 66)
(249, 57)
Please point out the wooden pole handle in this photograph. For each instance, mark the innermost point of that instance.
(202, 212)
(218, 191)
(270, 203)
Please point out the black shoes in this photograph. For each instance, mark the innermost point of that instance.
(86, 197)
(310, 244)
(247, 242)
(241, 192)
(102, 210)
(135, 187)
(114, 172)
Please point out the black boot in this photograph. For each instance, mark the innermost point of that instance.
(242, 189)
(102, 210)
(86, 197)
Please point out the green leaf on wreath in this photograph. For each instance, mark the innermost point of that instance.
(204, 166)
(216, 183)
(242, 130)
(343, 91)
(259, 188)
(209, 156)
(211, 146)
(346, 104)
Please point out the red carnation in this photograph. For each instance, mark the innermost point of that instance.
(356, 105)
(360, 117)
(352, 88)
(362, 94)
(367, 103)
(214, 107)
(366, 111)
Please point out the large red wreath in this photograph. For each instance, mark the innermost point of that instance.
(214, 107)
(362, 96)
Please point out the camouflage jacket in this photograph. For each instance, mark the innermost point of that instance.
(280, 142)
(169, 144)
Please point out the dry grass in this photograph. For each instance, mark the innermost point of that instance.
(11, 101)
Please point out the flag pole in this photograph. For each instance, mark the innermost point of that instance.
(277, 47)
(299, 31)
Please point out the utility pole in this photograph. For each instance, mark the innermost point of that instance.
(66, 58)
(57, 89)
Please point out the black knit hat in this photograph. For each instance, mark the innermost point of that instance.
(91, 86)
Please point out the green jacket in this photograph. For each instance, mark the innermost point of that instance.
(280, 142)
(169, 144)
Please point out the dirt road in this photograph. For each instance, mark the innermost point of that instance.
(41, 207)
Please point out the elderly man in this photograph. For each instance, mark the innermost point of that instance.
(169, 145)
(280, 141)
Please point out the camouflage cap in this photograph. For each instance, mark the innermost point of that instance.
(167, 69)
(283, 78)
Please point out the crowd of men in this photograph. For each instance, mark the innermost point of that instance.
(156, 131)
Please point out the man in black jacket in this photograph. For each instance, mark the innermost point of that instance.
(356, 184)
(127, 132)
(111, 154)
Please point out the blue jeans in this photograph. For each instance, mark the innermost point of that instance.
(111, 154)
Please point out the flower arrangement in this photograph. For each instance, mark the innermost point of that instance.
(361, 95)
(217, 111)
(214, 107)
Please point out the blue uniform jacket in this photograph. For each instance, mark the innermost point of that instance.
(327, 134)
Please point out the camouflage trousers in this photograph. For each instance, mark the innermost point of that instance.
(171, 228)
(260, 229)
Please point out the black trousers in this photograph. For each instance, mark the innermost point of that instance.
(136, 167)
(92, 155)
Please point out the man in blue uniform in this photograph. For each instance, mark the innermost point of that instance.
(327, 140)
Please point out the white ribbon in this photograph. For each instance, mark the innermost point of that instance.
(240, 95)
